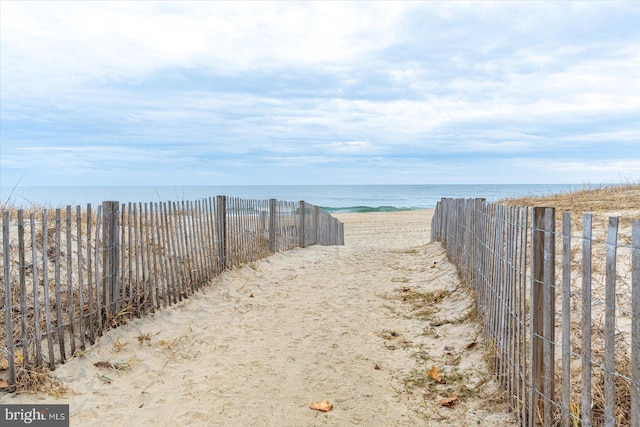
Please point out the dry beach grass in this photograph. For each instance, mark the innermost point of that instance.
(622, 201)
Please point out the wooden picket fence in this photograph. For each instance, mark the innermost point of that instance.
(69, 274)
(566, 347)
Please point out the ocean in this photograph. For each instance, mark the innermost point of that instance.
(332, 198)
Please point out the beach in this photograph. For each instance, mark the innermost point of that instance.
(267, 339)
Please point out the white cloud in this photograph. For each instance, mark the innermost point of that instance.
(70, 43)
(389, 86)
(624, 167)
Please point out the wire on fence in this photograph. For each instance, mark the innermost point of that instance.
(576, 361)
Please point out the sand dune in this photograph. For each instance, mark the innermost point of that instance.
(268, 339)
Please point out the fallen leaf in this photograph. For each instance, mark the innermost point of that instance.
(4, 384)
(450, 401)
(377, 367)
(448, 348)
(435, 374)
(103, 365)
(117, 365)
(470, 345)
(323, 406)
(251, 296)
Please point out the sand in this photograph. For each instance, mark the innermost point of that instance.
(268, 339)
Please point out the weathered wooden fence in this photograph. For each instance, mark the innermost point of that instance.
(566, 347)
(70, 274)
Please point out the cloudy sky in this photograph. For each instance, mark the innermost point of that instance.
(216, 93)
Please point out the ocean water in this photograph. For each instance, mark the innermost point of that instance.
(332, 198)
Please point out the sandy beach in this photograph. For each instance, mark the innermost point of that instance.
(267, 339)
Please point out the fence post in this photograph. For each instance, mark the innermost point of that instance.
(537, 314)
(316, 224)
(549, 311)
(272, 224)
(221, 231)
(110, 256)
(302, 231)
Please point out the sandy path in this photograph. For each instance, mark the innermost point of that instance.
(310, 324)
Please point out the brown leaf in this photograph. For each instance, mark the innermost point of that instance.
(4, 384)
(323, 406)
(435, 374)
(450, 401)
(470, 345)
(103, 365)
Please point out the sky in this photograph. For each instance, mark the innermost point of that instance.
(226, 93)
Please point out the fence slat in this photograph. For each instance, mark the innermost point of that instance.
(83, 343)
(69, 258)
(537, 318)
(36, 301)
(122, 303)
(524, 226)
(168, 255)
(59, 319)
(221, 228)
(549, 313)
(161, 250)
(131, 248)
(566, 319)
(45, 288)
(22, 267)
(587, 221)
(635, 324)
(90, 294)
(147, 302)
(109, 257)
(8, 302)
(98, 282)
(175, 254)
(610, 325)
(273, 246)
